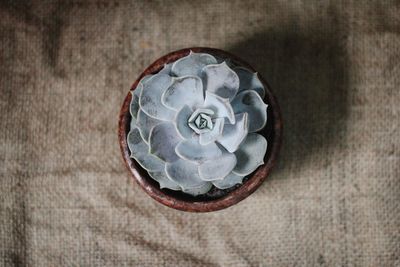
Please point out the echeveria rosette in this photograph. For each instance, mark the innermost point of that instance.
(194, 124)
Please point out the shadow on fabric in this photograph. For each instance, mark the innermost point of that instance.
(307, 70)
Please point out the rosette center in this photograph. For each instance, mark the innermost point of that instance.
(200, 121)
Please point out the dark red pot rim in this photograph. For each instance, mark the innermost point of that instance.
(178, 200)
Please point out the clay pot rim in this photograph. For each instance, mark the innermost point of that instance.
(165, 196)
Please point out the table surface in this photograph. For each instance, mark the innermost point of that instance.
(66, 198)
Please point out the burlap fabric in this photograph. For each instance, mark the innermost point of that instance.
(66, 198)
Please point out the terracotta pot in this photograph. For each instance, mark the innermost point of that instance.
(216, 199)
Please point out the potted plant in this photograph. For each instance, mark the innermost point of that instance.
(200, 130)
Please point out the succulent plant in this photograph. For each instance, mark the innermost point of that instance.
(194, 124)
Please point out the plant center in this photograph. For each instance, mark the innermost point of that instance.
(201, 123)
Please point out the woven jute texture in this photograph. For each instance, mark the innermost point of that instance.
(66, 198)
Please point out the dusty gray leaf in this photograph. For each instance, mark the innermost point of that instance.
(250, 154)
(233, 134)
(192, 64)
(250, 102)
(217, 169)
(221, 80)
(150, 98)
(163, 140)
